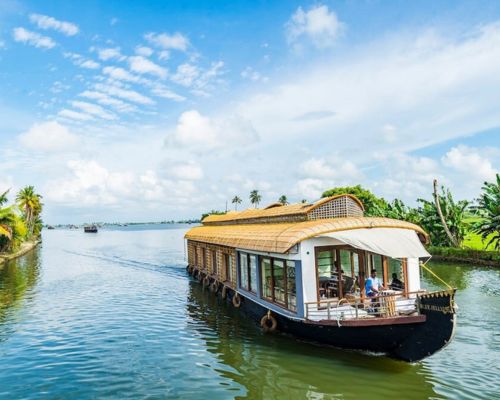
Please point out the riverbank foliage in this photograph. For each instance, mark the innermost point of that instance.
(473, 225)
(20, 221)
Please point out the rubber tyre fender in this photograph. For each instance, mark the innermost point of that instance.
(236, 300)
(268, 323)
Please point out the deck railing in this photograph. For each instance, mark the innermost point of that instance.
(386, 305)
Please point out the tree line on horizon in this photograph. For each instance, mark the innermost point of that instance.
(447, 220)
(21, 221)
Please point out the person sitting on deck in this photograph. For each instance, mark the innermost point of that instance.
(396, 284)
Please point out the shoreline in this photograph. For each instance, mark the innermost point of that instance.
(25, 247)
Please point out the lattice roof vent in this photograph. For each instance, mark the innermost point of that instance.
(337, 207)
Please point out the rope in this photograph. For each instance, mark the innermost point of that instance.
(434, 274)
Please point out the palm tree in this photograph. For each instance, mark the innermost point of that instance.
(283, 200)
(489, 210)
(236, 200)
(255, 198)
(31, 206)
(3, 197)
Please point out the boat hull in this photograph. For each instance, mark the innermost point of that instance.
(410, 339)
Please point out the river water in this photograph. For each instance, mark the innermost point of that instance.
(114, 315)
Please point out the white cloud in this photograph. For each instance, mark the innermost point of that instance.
(48, 137)
(162, 91)
(319, 174)
(197, 131)
(177, 41)
(199, 80)
(143, 51)
(318, 24)
(106, 100)
(186, 74)
(309, 188)
(126, 94)
(142, 65)
(90, 64)
(90, 184)
(251, 74)
(188, 171)
(74, 115)
(93, 109)
(110, 54)
(46, 22)
(469, 161)
(405, 82)
(81, 61)
(33, 38)
(163, 55)
(120, 74)
(335, 168)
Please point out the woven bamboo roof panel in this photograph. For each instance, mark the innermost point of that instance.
(343, 205)
(279, 238)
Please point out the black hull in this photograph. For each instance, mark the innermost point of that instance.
(410, 342)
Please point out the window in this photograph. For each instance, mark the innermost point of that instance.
(253, 274)
(204, 258)
(244, 271)
(332, 261)
(267, 278)
(214, 262)
(396, 267)
(326, 263)
(291, 286)
(228, 263)
(196, 256)
(278, 282)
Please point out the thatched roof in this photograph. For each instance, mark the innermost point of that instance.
(280, 237)
(277, 212)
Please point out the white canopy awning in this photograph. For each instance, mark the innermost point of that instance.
(392, 242)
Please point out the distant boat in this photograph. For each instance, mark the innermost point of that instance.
(90, 229)
(50, 227)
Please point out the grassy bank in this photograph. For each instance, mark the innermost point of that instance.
(471, 256)
(24, 248)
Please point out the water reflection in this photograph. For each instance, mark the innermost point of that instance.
(18, 279)
(278, 366)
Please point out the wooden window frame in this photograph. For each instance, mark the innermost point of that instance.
(248, 255)
(272, 299)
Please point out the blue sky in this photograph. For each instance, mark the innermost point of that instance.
(144, 110)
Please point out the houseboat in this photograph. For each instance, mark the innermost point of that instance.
(302, 269)
(90, 228)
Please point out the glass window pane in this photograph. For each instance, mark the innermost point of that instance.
(279, 281)
(253, 274)
(396, 277)
(267, 278)
(326, 263)
(243, 271)
(291, 288)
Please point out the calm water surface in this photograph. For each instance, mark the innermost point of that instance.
(114, 315)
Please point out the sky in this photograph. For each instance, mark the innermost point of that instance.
(153, 110)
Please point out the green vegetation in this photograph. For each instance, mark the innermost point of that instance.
(255, 198)
(236, 200)
(283, 200)
(488, 210)
(472, 230)
(21, 221)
